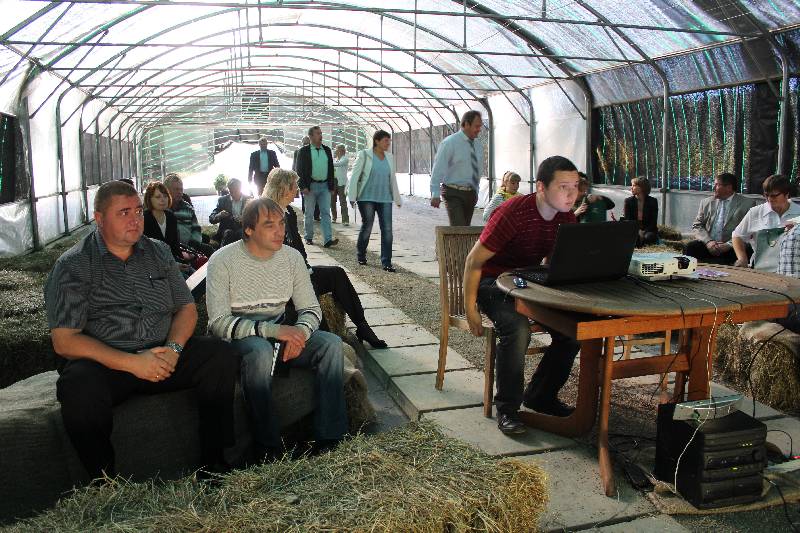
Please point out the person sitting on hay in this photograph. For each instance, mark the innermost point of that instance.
(789, 265)
(121, 315)
(249, 284)
(521, 233)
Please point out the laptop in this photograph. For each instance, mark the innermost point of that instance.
(593, 251)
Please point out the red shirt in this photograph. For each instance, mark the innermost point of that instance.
(519, 236)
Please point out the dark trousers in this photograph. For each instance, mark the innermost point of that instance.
(88, 392)
(514, 335)
(341, 195)
(460, 205)
(645, 238)
(698, 250)
(334, 280)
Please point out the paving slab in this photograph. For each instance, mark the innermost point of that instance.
(416, 394)
(372, 301)
(470, 426)
(762, 410)
(414, 259)
(777, 430)
(406, 253)
(404, 335)
(649, 524)
(577, 500)
(385, 316)
(403, 361)
(426, 269)
(361, 287)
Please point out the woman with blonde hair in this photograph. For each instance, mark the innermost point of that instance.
(509, 188)
(282, 188)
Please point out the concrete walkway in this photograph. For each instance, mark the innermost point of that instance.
(406, 371)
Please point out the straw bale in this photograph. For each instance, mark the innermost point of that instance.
(412, 479)
(775, 372)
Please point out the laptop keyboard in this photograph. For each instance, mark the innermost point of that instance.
(535, 276)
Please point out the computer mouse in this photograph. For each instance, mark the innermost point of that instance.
(521, 283)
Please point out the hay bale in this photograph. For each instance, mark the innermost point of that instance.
(409, 479)
(334, 316)
(774, 374)
(669, 233)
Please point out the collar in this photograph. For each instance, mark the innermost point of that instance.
(464, 136)
(138, 247)
(766, 210)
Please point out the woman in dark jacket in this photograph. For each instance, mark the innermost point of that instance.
(643, 208)
(282, 188)
(160, 223)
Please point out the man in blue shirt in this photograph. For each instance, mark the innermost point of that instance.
(457, 171)
(317, 183)
(262, 161)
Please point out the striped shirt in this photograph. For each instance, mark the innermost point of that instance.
(246, 296)
(519, 236)
(188, 227)
(789, 260)
(125, 304)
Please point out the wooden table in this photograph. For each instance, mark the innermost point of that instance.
(595, 313)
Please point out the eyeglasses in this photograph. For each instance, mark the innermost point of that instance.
(775, 194)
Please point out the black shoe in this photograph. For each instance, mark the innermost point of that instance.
(332, 242)
(362, 261)
(553, 407)
(309, 241)
(390, 268)
(510, 424)
(365, 333)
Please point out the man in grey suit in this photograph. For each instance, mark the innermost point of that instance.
(716, 219)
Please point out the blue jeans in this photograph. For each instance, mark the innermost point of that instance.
(323, 353)
(368, 210)
(514, 334)
(318, 194)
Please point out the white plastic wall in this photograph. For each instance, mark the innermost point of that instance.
(560, 129)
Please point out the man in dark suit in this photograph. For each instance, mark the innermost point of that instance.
(262, 161)
(317, 182)
(228, 213)
(717, 217)
(306, 142)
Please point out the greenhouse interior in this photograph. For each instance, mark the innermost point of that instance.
(672, 92)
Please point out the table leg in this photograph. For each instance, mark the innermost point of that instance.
(701, 358)
(582, 419)
(603, 455)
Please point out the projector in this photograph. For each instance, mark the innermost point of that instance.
(661, 265)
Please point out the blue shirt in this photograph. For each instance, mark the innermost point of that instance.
(264, 160)
(453, 163)
(319, 163)
(377, 188)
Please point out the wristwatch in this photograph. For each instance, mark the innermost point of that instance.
(175, 346)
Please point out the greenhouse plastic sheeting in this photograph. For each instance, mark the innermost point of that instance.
(16, 234)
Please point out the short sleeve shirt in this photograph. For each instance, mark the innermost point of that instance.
(519, 236)
(126, 304)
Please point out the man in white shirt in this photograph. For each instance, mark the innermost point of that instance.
(716, 219)
(763, 226)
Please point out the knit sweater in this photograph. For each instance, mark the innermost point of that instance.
(246, 296)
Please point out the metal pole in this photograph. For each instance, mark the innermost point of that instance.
(430, 139)
(24, 122)
(60, 157)
(664, 130)
(784, 111)
(490, 128)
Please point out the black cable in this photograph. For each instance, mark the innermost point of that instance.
(791, 444)
(785, 505)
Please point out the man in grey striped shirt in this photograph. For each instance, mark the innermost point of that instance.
(120, 313)
(249, 283)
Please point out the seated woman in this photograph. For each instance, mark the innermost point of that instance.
(282, 188)
(590, 207)
(642, 207)
(161, 224)
(509, 187)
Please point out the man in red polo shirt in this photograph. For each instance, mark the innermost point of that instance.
(521, 233)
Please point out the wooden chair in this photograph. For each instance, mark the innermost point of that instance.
(453, 243)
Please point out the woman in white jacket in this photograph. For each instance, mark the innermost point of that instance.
(373, 185)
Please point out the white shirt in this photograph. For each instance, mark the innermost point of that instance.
(340, 170)
(762, 217)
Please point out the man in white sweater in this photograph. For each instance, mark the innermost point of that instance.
(249, 283)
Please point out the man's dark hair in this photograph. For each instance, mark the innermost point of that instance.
(728, 179)
(112, 188)
(252, 212)
(777, 183)
(548, 168)
(312, 129)
(379, 136)
(469, 117)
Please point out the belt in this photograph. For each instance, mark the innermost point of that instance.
(459, 187)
